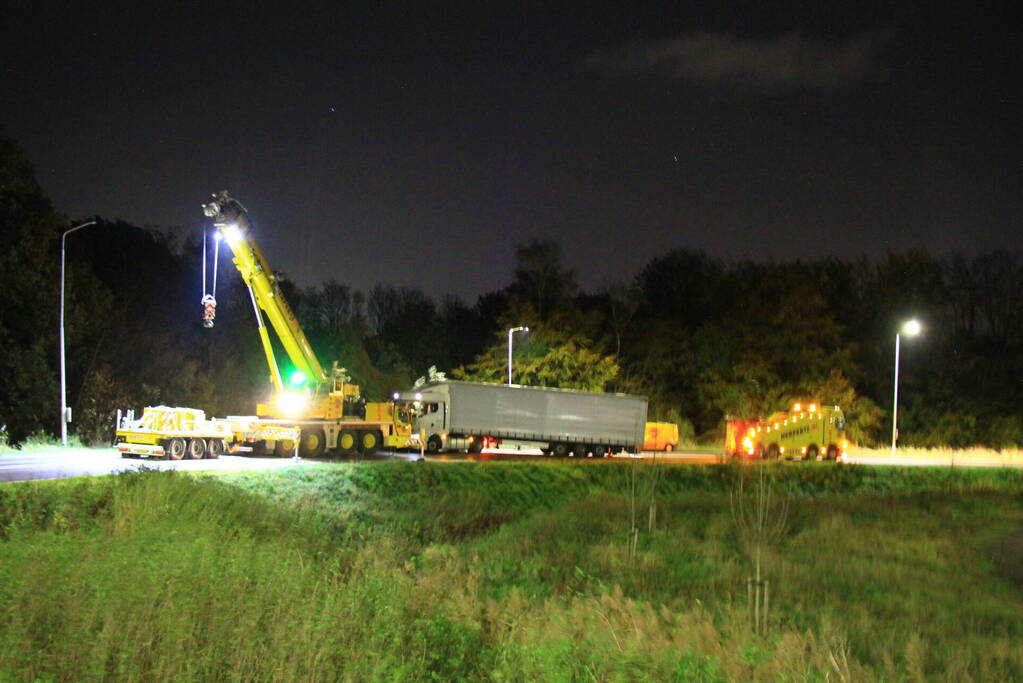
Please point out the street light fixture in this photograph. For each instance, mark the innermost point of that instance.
(910, 328)
(63, 385)
(512, 331)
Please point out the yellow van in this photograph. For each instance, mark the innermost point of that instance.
(660, 436)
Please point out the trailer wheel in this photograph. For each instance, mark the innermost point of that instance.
(214, 448)
(773, 452)
(312, 443)
(434, 445)
(477, 445)
(832, 452)
(811, 453)
(559, 450)
(370, 442)
(284, 448)
(174, 448)
(669, 447)
(600, 451)
(347, 442)
(196, 449)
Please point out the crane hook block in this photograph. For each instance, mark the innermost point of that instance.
(209, 310)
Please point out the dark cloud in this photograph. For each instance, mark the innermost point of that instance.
(768, 64)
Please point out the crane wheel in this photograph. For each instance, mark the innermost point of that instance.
(284, 448)
(196, 449)
(832, 452)
(347, 442)
(214, 448)
(773, 451)
(174, 448)
(370, 442)
(811, 453)
(312, 443)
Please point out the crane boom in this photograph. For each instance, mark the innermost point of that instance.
(231, 219)
(334, 417)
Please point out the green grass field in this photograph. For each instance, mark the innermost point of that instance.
(510, 572)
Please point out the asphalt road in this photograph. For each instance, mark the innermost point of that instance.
(78, 462)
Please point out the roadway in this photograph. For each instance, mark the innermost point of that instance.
(82, 462)
(59, 463)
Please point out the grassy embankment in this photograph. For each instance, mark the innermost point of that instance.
(959, 457)
(512, 571)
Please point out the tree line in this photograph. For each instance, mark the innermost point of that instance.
(703, 338)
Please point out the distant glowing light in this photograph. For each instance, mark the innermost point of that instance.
(911, 328)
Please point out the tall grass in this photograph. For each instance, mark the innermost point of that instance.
(978, 455)
(512, 571)
(38, 442)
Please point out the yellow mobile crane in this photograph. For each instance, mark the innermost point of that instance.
(327, 410)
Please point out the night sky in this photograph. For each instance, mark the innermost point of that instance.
(416, 143)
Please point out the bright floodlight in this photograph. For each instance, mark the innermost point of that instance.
(218, 235)
(911, 328)
(291, 404)
(232, 233)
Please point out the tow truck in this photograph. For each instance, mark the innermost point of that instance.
(325, 409)
(807, 431)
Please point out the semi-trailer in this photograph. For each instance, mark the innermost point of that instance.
(459, 415)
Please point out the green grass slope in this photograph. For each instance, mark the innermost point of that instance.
(509, 571)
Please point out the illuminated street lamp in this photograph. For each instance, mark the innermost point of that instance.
(512, 331)
(910, 328)
(63, 385)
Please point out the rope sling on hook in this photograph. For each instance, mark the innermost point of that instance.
(209, 310)
(209, 300)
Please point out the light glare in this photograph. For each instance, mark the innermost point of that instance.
(290, 403)
(231, 232)
(911, 328)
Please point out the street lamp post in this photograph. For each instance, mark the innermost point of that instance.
(910, 328)
(512, 331)
(63, 385)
